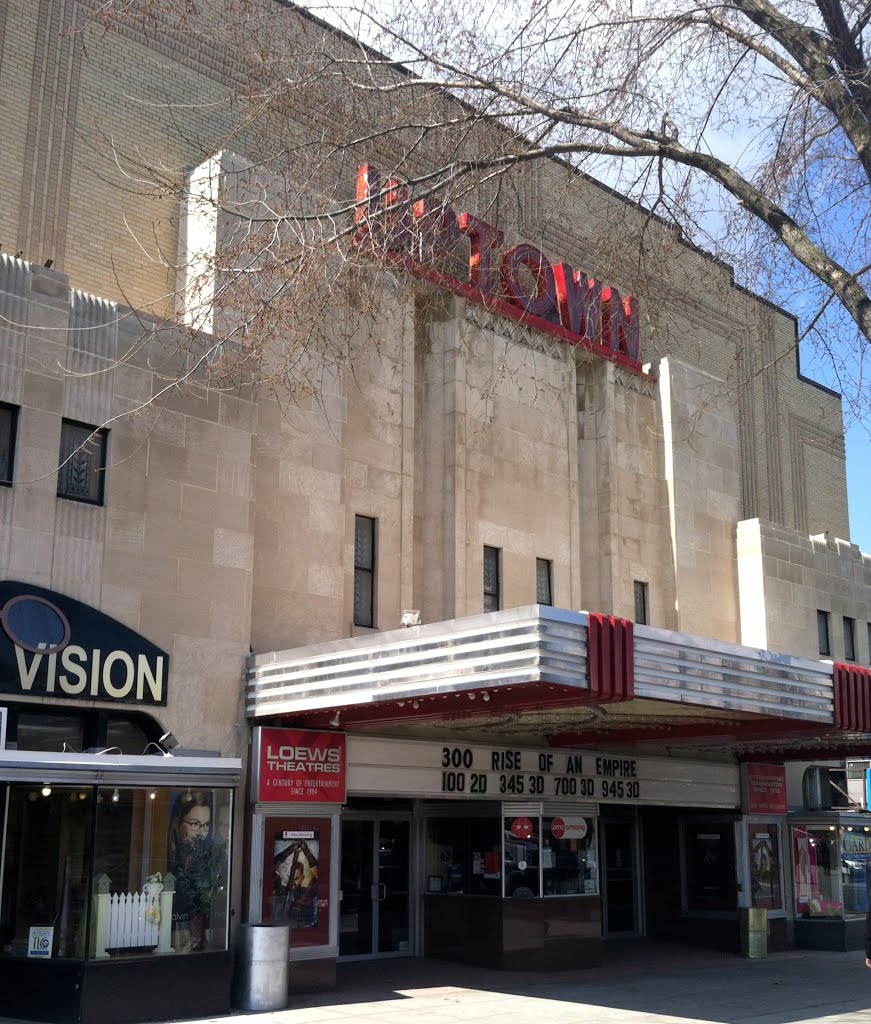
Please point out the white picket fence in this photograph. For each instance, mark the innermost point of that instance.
(128, 923)
(121, 919)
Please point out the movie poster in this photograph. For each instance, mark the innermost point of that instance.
(765, 867)
(295, 878)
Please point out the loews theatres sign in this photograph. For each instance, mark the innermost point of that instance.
(519, 282)
(298, 766)
(53, 646)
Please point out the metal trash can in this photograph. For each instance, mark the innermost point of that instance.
(261, 972)
(754, 932)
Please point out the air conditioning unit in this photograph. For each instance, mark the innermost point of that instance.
(826, 788)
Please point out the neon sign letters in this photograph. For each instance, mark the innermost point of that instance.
(519, 282)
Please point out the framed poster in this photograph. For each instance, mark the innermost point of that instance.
(296, 878)
(764, 858)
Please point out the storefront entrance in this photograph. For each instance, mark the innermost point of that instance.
(374, 908)
(620, 883)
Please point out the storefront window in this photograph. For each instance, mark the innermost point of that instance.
(855, 858)
(161, 859)
(44, 888)
(815, 852)
(568, 857)
(764, 853)
(159, 882)
(521, 846)
(464, 855)
(709, 851)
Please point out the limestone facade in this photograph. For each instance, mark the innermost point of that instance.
(229, 514)
(170, 551)
(787, 578)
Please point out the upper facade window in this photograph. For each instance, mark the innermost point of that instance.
(8, 431)
(364, 571)
(849, 639)
(642, 597)
(82, 462)
(492, 580)
(543, 581)
(825, 644)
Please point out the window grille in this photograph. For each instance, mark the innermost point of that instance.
(82, 463)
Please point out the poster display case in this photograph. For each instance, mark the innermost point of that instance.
(763, 857)
(296, 877)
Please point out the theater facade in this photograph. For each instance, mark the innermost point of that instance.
(535, 626)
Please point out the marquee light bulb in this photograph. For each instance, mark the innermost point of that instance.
(46, 790)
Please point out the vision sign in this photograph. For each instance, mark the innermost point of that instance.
(54, 646)
(519, 282)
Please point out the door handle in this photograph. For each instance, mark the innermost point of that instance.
(382, 891)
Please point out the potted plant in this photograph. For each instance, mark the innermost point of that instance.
(200, 866)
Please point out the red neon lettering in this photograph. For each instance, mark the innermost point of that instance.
(398, 213)
(383, 213)
(424, 235)
(437, 231)
(368, 184)
(620, 330)
(543, 302)
(484, 239)
(579, 301)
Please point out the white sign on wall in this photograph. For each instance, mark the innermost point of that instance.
(39, 942)
(509, 774)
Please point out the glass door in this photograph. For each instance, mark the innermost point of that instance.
(620, 882)
(374, 908)
(392, 903)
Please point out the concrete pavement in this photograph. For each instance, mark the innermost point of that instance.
(644, 983)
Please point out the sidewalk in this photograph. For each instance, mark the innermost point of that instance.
(644, 984)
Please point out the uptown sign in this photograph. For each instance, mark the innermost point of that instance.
(518, 282)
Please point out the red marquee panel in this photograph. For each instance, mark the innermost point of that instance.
(610, 662)
(852, 696)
